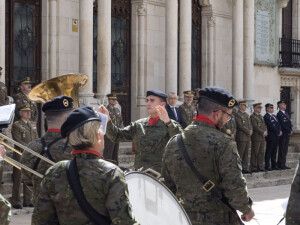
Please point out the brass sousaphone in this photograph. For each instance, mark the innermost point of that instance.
(68, 85)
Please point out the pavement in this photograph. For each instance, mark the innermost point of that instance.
(267, 207)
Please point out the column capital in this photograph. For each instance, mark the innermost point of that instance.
(142, 10)
(212, 21)
(283, 3)
(204, 3)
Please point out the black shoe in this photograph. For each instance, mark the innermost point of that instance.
(18, 206)
(281, 168)
(287, 168)
(275, 168)
(268, 169)
(246, 172)
(263, 170)
(30, 205)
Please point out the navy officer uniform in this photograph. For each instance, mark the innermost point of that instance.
(274, 131)
(287, 130)
(171, 112)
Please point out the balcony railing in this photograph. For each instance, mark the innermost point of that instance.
(289, 53)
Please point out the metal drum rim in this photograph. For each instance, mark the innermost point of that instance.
(152, 177)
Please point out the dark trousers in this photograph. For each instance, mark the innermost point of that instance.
(111, 150)
(282, 152)
(271, 152)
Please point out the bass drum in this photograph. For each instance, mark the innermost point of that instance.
(152, 202)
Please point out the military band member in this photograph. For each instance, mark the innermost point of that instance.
(287, 130)
(293, 207)
(274, 132)
(216, 160)
(3, 101)
(150, 135)
(187, 110)
(243, 134)
(5, 206)
(102, 183)
(258, 142)
(21, 99)
(51, 145)
(23, 131)
(111, 149)
(230, 128)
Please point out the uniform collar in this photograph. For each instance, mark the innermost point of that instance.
(204, 119)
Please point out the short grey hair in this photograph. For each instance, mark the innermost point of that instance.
(85, 136)
(172, 93)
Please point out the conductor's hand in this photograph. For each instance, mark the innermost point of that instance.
(162, 113)
(2, 151)
(249, 216)
(104, 110)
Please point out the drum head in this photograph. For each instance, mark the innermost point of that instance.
(152, 203)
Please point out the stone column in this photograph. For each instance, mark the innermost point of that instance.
(185, 46)
(52, 38)
(171, 45)
(142, 12)
(249, 50)
(86, 47)
(2, 39)
(104, 49)
(211, 23)
(237, 48)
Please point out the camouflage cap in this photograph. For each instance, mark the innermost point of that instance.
(77, 118)
(189, 93)
(60, 103)
(112, 96)
(218, 95)
(257, 105)
(25, 107)
(25, 80)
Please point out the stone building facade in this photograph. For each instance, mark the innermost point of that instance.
(130, 46)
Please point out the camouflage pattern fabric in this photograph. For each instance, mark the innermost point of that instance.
(3, 94)
(22, 132)
(5, 206)
(214, 154)
(230, 127)
(150, 141)
(293, 208)
(258, 142)
(104, 188)
(187, 113)
(57, 153)
(21, 99)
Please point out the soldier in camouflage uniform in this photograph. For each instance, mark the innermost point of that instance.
(230, 128)
(103, 183)
(187, 110)
(258, 142)
(3, 101)
(150, 135)
(56, 112)
(243, 134)
(23, 131)
(5, 212)
(214, 155)
(21, 99)
(111, 149)
(293, 207)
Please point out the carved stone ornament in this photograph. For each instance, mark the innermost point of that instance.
(212, 21)
(289, 81)
(142, 10)
(284, 3)
(204, 2)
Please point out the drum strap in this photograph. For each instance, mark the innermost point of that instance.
(208, 185)
(89, 211)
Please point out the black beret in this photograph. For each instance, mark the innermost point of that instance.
(218, 95)
(60, 103)
(269, 105)
(157, 93)
(77, 118)
(279, 102)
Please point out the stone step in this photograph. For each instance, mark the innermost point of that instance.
(125, 147)
(269, 182)
(126, 158)
(293, 155)
(270, 174)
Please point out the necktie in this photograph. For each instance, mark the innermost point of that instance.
(286, 115)
(274, 117)
(174, 110)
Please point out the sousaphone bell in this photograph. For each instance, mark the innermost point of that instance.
(68, 85)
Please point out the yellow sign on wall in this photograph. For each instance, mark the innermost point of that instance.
(75, 25)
